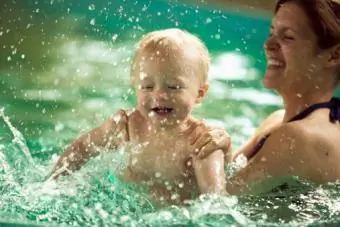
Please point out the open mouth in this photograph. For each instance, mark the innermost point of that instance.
(275, 64)
(162, 111)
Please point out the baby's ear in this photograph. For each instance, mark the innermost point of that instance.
(334, 59)
(202, 91)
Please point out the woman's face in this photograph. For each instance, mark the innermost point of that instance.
(293, 57)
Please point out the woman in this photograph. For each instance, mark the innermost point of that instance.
(303, 54)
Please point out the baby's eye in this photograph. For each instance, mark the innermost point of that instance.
(175, 87)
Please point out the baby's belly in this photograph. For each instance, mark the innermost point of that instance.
(163, 166)
(165, 191)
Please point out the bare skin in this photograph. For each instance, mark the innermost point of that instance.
(303, 74)
(160, 132)
(158, 160)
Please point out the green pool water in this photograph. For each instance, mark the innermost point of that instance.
(64, 68)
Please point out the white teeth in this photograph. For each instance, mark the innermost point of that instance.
(272, 62)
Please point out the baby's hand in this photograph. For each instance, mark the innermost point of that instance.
(207, 139)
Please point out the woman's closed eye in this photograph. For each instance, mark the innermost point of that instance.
(287, 37)
(146, 87)
(282, 35)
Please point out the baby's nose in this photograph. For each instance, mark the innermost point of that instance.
(160, 94)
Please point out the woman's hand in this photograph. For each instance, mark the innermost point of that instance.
(207, 139)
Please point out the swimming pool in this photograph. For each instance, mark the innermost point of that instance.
(64, 68)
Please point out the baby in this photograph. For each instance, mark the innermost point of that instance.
(169, 72)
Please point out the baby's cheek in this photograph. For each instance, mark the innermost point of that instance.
(184, 109)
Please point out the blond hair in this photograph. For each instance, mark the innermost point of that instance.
(174, 41)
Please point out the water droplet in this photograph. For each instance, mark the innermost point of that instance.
(92, 21)
(174, 196)
(92, 7)
(22, 56)
(151, 114)
(124, 218)
(208, 20)
(114, 37)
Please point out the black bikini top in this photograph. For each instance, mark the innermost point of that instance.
(334, 115)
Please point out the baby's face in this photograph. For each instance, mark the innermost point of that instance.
(167, 87)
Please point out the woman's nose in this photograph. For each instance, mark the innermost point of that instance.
(271, 43)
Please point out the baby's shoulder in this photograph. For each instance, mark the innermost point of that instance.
(125, 115)
(121, 116)
(130, 119)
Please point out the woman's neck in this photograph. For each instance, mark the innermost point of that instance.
(295, 104)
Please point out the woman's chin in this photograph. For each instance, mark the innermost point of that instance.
(271, 79)
(268, 83)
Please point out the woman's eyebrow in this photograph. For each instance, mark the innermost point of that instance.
(284, 28)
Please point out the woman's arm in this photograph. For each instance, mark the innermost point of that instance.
(110, 135)
(285, 153)
(272, 122)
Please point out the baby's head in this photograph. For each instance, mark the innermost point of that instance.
(178, 46)
(170, 71)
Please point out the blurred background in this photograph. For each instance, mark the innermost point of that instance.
(64, 69)
(65, 63)
(261, 6)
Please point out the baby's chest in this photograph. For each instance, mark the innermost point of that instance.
(160, 160)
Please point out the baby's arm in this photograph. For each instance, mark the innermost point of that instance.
(110, 135)
(210, 173)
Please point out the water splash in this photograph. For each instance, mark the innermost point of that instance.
(18, 137)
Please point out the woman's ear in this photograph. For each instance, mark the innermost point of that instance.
(202, 91)
(334, 59)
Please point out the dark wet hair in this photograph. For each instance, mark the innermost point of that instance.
(324, 16)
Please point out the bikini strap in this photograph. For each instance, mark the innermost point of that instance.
(333, 105)
(334, 114)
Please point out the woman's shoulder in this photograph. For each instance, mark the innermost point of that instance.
(317, 127)
(273, 121)
(305, 140)
(300, 148)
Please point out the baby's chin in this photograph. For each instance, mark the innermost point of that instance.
(165, 122)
